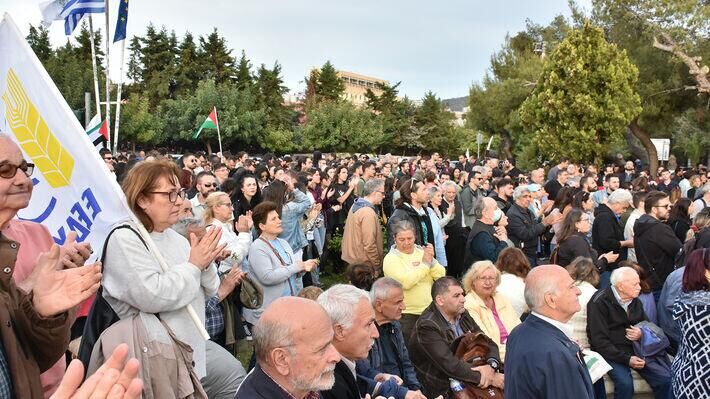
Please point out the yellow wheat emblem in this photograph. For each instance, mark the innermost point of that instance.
(34, 136)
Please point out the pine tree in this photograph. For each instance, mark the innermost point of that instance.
(159, 59)
(38, 38)
(329, 86)
(271, 91)
(217, 58)
(134, 71)
(435, 121)
(189, 67)
(244, 76)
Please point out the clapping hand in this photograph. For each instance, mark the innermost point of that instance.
(203, 251)
(74, 254)
(428, 255)
(242, 224)
(57, 291)
(115, 379)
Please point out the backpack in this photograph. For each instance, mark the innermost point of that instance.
(101, 316)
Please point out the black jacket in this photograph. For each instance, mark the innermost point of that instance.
(345, 387)
(702, 238)
(482, 244)
(607, 323)
(523, 230)
(454, 228)
(258, 385)
(406, 212)
(552, 188)
(680, 228)
(576, 245)
(607, 234)
(389, 355)
(429, 349)
(656, 247)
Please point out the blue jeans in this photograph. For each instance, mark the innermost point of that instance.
(624, 384)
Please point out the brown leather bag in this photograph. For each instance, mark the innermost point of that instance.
(473, 348)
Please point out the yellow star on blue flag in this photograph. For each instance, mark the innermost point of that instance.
(122, 21)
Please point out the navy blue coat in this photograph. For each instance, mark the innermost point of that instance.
(542, 362)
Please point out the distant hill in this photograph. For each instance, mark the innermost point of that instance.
(456, 104)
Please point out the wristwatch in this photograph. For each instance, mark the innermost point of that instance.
(493, 363)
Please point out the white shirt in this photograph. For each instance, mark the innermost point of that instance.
(629, 231)
(513, 288)
(198, 209)
(564, 327)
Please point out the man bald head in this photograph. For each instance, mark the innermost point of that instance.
(297, 352)
(551, 292)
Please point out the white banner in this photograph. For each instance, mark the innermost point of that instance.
(73, 188)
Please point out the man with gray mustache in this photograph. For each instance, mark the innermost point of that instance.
(295, 355)
(355, 331)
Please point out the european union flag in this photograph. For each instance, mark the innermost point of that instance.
(121, 22)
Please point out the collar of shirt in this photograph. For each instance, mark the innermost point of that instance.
(564, 327)
(351, 366)
(623, 304)
(455, 326)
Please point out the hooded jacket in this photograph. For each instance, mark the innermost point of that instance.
(656, 247)
(362, 236)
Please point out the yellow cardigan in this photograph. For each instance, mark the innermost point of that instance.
(485, 320)
(415, 277)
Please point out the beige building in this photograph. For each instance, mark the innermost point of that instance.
(356, 86)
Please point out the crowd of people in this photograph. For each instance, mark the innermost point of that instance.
(458, 278)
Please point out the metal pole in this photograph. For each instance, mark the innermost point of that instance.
(118, 97)
(219, 136)
(87, 109)
(93, 64)
(108, 79)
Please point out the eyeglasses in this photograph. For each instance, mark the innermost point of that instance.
(228, 205)
(208, 185)
(172, 195)
(488, 279)
(8, 170)
(109, 158)
(667, 206)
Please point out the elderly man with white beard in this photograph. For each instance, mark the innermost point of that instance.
(295, 355)
(355, 331)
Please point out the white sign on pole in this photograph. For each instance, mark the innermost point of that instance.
(663, 148)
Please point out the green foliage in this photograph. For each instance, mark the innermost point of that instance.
(38, 38)
(217, 58)
(329, 86)
(585, 97)
(340, 126)
(396, 116)
(244, 76)
(690, 134)
(270, 91)
(436, 121)
(138, 123)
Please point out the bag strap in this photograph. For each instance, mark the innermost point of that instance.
(103, 251)
(293, 292)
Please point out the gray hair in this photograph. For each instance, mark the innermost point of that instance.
(271, 334)
(340, 302)
(621, 196)
(372, 185)
(449, 184)
(402, 225)
(535, 294)
(519, 191)
(619, 274)
(480, 206)
(479, 169)
(381, 288)
(182, 226)
(704, 189)
(432, 191)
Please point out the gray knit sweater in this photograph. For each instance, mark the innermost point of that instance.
(134, 281)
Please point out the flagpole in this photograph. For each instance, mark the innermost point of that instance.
(118, 97)
(97, 95)
(108, 79)
(219, 136)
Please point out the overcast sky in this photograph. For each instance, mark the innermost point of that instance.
(441, 46)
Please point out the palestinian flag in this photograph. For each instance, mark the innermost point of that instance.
(209, 123)
(98, 132)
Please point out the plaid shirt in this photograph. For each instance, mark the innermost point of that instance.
(5, 380)
(214, 317)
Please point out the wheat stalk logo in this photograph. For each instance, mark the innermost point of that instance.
(34, 136)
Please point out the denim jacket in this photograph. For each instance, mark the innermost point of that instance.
(291, 215)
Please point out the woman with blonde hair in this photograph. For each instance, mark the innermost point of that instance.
(219, 212)
(489, 309)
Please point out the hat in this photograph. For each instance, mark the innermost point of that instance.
(251, 294)
(534, 187)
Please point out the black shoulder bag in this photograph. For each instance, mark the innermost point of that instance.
(101, 316)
